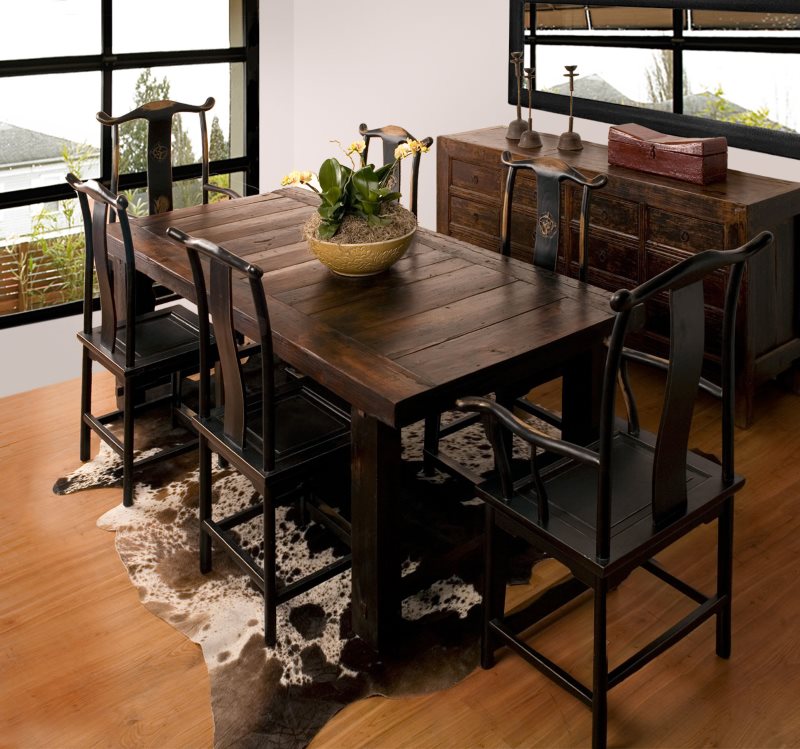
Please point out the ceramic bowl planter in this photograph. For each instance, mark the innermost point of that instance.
(362, 259)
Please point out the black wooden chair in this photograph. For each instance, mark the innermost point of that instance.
(392, 136)
(550, 172)
(278, 440)
(140, 349)
(607, 509)
(159, 116)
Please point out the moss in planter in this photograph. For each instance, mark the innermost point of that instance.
(355, 230)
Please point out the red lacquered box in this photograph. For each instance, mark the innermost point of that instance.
(698, 160)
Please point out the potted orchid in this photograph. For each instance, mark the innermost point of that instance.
(359, 228)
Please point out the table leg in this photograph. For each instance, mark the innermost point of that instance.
(376, 451)
(582, 386)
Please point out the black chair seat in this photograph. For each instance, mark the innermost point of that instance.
(572, 526)
(305, 426)
(169, 332)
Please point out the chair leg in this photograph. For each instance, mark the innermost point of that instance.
(725, 577)
(86, 404)
(270, 587)
(487, 650)
(127, 446)
(204, 502)
(176, 398)
(600, 669)
(431, 443)
(496, 572)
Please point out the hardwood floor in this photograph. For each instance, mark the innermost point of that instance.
(82, 663)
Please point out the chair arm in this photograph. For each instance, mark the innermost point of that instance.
(663, 364)
(526, 432)
(222, 190)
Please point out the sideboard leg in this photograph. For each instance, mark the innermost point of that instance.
(743, 415)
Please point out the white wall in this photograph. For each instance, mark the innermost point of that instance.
(432, 66)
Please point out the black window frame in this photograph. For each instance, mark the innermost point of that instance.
(676, 123)
(106, 63)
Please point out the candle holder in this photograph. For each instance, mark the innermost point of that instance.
(530, 138)
(517, 127)
(570, 141)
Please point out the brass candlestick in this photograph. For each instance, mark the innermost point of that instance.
(517, 127)
(570, 141)
(530, 138)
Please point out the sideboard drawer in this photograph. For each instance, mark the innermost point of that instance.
(612, 264)
(474, 216)
(609, 213)
(476, 178)
(684, 232)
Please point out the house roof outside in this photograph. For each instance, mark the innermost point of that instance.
(19, 146)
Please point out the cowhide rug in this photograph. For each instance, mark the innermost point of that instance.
(281, 697)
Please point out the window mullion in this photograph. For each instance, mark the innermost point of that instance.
(677, 60)
(106, 94)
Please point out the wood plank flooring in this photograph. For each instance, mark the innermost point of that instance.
(82, 663)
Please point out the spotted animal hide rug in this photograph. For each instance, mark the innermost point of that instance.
(281, 697)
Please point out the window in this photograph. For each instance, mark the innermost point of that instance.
(707, 67)
(109, 55)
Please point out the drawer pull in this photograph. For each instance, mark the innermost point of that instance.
(604, 215)
(475, 179)
(602, 255)
(684, 236)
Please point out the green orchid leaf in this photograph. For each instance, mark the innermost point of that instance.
(382, 172)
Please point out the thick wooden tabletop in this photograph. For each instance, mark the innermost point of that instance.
(448, 319)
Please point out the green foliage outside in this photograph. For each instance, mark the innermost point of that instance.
(719, 108)
(55, 247)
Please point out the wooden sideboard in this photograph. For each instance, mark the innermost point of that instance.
(641, 224)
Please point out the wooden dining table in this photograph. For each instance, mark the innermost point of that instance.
(447, 320)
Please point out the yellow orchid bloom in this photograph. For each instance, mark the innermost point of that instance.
(297, 178)
(403, 150)
(357, 146)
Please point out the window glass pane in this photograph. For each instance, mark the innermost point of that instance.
(744, 87)
(54, 131)
(636, 77)
(41, 255)
(50, 28)
(737, 23)
(191, 84)
(156, 25)
(618, 20)
(557, 18)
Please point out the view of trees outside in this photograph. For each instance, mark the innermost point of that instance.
(46, 265)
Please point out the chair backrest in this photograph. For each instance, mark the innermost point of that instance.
(550, 173)
(215, 289)
(683, 285)
(392, 136)
(159, 116)
(117, 295)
